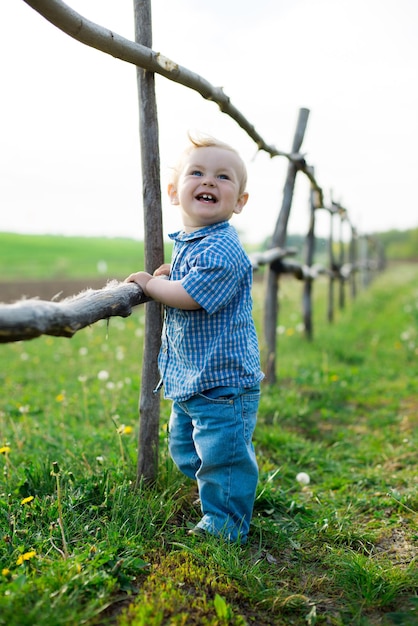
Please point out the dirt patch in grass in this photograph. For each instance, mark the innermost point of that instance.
(397, 547)
(46, 289)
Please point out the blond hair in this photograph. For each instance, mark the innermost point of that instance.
(206, 141)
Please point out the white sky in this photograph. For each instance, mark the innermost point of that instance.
(69, 144)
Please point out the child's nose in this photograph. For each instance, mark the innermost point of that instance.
(209, 181)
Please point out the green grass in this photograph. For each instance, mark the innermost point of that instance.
(49, 256)
(80, 545)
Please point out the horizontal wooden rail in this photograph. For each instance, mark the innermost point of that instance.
(265, 257)
(27, 319)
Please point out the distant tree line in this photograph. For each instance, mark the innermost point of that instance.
(398, 245)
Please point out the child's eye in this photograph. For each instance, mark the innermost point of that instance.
(196, 173)
(223, 176)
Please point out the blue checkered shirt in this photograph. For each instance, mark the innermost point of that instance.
(216, 345)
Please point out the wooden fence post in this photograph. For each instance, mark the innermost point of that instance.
(341, 260)
(149, 403)
(309, 257)
(364, 256)
(353, 261)
(279, 240)
(331, 263)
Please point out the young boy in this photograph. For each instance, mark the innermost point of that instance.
(209, 359)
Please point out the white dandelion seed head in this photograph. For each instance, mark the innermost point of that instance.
(303, 478)
(120, 354)
(102, 266)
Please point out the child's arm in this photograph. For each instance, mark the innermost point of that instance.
(169, 292)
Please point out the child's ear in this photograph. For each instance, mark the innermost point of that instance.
(172, 193)
(241, 202)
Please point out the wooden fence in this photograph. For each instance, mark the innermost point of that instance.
(29, 319)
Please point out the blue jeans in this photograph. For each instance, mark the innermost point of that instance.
(210, 440)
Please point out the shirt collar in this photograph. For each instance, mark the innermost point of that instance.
(180, 235)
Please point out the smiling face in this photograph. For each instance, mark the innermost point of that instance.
(208, 187)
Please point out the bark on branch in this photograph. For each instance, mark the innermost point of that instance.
(268, 256)
(298, 270)
(27, 319)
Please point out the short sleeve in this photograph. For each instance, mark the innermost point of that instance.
(216, 274)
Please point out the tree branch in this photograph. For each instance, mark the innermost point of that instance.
(105, 40)
(27, 319)
(266, 257)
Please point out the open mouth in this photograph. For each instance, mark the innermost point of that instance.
(206, 197)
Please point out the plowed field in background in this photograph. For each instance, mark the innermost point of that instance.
(47, 289)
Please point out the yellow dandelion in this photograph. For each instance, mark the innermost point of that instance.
(60, 397)
(27, 556)
(5, 450)
(334, 378)
(125, 430)
(5, 572)
(27, 500)
(290, 332)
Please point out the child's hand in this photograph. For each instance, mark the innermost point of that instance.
(141, 279)
(168, 292)
(163, 270)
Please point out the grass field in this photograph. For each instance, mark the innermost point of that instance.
(80, 545)
(26, 257)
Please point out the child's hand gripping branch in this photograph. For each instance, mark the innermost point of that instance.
(170, 293)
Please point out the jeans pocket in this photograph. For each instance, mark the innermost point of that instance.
(250, 402)
(221, 394)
